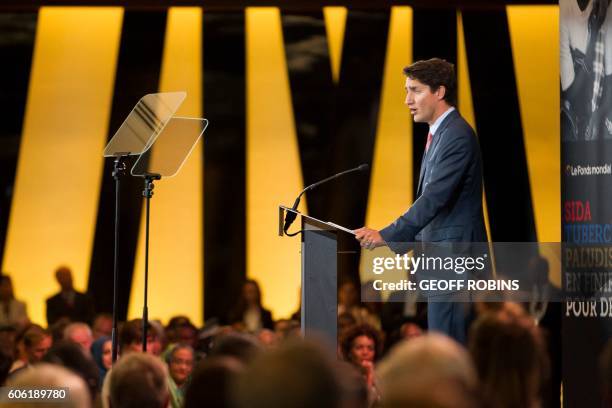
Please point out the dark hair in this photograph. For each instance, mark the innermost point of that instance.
(72, 356)
(352, 333)
(212, 383)
(131, 333)
(242, 347)
(435, 73)
(237, 313)
(138, 380)
(509, 360)
(33, 335)
(297, 374)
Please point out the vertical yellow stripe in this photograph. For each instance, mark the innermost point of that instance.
(534, 32)
(59, 171)
(391, 181)
(176, 234)
(273, 163)
(464, 96)
(335, 23)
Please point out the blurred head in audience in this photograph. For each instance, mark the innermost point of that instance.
(101, 351)
(102, 325)
(57, 328)
(156, 338)
(410, 330)
(267, 338)
(348, 295)
(181, 330)
(138, 380)
(79, 333)
(34, 344)
(508, 358)
(429, 371)
(6, 288)
(251, 293)
(46, 376)
(72, 356)
(241, 346)
(130, 337)
(285, 329)
(294, 375)
(180, 363)
(212, 383)
(63, 274)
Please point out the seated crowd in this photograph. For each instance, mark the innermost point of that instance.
(385, 357)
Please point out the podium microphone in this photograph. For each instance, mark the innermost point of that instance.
(291, 215)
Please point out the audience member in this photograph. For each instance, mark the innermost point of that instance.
(249, 313)
(49, 376)
(12, 311)
(32, 346)
(354, 391)
(241, 346)
(285, 329)
(102, 326)
(130, 337)
(71, 355)
(181, 330)
(79, 333)
(180, 365)
(428, 371)
(69, 303)
(361, 345)
(101, 351)
(156, 339)
(138, 380)
(267, 338)
(212, 383)
(294, 375)
(508, 357)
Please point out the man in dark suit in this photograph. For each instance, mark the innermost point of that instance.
(448, 206)
(76, 306)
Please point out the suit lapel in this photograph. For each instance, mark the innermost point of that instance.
(433, 147)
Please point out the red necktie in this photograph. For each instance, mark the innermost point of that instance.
(429, 138)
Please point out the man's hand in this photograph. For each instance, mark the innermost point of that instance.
(369, 238)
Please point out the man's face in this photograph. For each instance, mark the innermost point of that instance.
(421, 101)
(38, 351)
(83, 338)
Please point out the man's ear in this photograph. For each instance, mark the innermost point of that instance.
(441, 92)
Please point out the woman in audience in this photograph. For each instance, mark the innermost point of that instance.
(180, 365)
(361, 346)
(12, 311)
(249, 314)
(509, 359)
(101, 350)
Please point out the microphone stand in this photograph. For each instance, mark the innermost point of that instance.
(291, 215)
(149, 178)
(118, 171)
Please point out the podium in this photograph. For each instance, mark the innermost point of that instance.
(322, 250)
